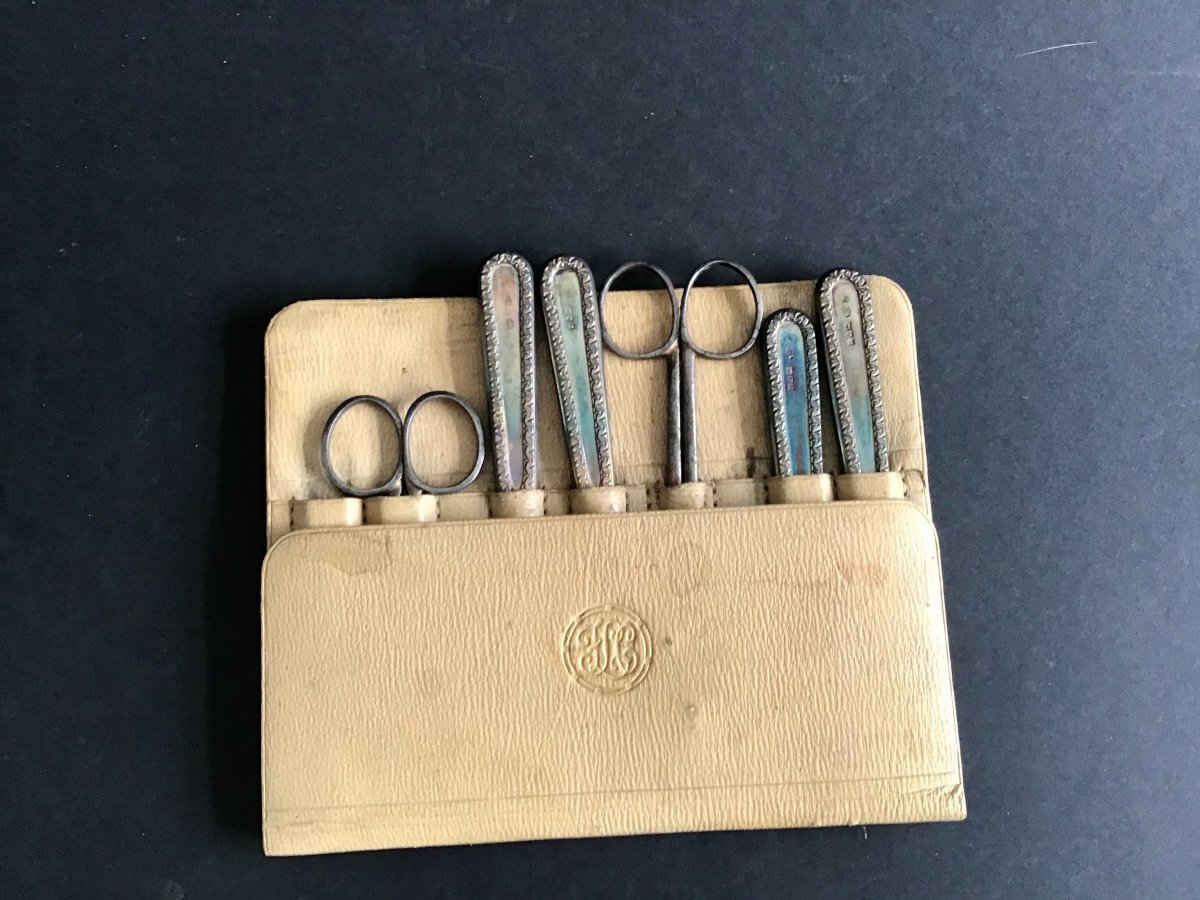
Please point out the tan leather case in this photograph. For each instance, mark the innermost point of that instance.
(748, 664)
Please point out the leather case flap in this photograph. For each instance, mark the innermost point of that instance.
(663, 671)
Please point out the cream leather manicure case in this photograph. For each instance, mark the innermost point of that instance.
(461, 677)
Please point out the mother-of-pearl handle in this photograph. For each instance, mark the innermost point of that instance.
(852, 356)
(793, 393)
(573, 329)
(510, 366)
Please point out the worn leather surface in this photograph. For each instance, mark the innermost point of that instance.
(415, 690)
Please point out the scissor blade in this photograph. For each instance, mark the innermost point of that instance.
(572, 325)
(848, 323)
(506, 294)
(793, 393)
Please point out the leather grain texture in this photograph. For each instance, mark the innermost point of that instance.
(416, 690)
(514, 671)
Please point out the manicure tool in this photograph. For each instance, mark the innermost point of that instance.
(395, 484)
(848, 323)
(506, 294)
(793, 393)
(572, 326)
(680, 351)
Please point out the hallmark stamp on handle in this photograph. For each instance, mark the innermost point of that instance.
(607, 649)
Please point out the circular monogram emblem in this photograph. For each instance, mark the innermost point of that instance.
(607, 649)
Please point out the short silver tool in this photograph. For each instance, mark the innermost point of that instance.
(395, 484)
(573, 329)
(510, 368)
(852, 356)
(793, 393)
(680, 352)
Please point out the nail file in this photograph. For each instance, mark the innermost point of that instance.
(852, 357)
(573, 329)
(793, 393)
(506, 294)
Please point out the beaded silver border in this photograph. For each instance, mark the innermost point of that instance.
(594, 353)
(775, 394)
(837, 369)
(496, 386)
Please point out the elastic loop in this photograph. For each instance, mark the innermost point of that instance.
(415, 482)
(395, 483)
(685, 336)
(669, 344)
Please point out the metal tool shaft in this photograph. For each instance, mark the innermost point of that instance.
(686, 428)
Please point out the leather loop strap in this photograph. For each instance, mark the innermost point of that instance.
(339, 512)
(800, 489)
(598, 500)
(689, 495)
(518, 504)
(870, 486)
(470, 506)
(400, 510)
(731, 492)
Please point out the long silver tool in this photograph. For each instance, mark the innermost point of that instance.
(573, 328)
(510, 364)
(793, 393)
(680, 351)
(848, 322)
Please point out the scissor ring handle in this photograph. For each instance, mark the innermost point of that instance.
(686, 337)
(414, 480)
(669, 344)
(395, 483)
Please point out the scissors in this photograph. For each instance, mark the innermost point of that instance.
(395, 484)
(680, 350)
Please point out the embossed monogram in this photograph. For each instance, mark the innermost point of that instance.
(607, 649)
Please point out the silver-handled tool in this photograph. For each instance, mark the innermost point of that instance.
(404, 472)
(573, 329)
(510, 367)
(852, 356)
(680, 351)
(793, 393)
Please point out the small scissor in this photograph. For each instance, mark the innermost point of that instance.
(395, 483)
(680, 350)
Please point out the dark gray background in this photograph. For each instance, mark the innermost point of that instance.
(172, 176)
